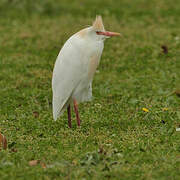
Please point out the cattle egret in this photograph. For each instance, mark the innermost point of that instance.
(75, 67)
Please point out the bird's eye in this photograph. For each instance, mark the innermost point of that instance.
(98, 32)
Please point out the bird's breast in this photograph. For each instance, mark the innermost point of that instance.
(93, 64)
(89, 53)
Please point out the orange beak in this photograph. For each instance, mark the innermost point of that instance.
(108, 33)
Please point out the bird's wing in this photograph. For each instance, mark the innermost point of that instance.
(67, 74)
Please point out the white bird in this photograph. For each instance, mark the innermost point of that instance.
(75, 67)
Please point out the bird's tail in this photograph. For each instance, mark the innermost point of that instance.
(58, 108)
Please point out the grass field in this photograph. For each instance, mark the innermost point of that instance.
(117, 139)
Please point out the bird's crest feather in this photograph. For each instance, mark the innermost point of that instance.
(98, 24)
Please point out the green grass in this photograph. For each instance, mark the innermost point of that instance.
(117, 140)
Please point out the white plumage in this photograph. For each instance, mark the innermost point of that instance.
(75, 66)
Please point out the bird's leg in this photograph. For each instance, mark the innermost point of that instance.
(69, 115)
(76, 111)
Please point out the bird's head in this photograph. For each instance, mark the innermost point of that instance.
(98, 32)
